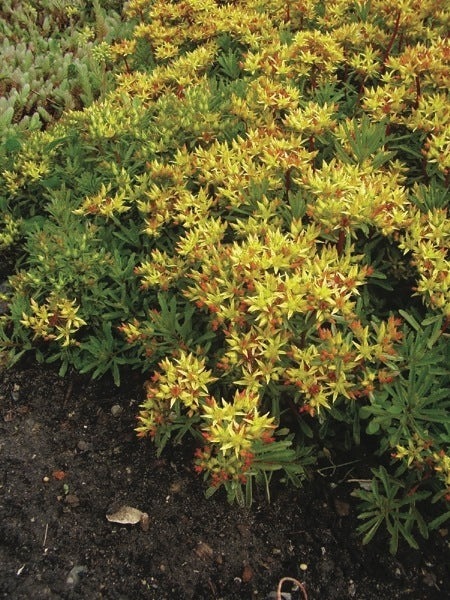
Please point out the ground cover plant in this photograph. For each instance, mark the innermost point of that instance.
(256, 216)
(55, 56)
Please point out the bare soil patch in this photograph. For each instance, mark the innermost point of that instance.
(69, 456)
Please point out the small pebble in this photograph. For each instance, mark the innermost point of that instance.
(73, 578)
(342, 508)
(204, 551)
(176, 487)
(72, 500)
(247, 574)
(116, 410)
(145, 522)
(429, 578)
(83, 446)
(9, 416)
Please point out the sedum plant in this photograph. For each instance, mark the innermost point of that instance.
(256, 214)
(55, 56)
(411, 419)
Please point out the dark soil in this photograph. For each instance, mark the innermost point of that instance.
(69, 457)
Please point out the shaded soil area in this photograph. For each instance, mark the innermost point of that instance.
(69, 457)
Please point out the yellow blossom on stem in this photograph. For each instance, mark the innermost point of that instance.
(57, 319)
(236, 425)
(104, 204)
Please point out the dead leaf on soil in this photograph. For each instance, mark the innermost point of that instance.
(58, 475)
(365, 484)
(127, 515)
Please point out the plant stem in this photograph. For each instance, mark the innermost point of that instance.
(361, 91)
(287, 182)
(392, 40)
(418, 92)
(341, 242)
(287, 16)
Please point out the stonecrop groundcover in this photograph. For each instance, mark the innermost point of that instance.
(251, 207)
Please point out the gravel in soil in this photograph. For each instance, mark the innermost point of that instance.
(69, 457)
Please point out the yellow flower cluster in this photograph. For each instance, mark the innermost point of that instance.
(234, 426)
(337, 366)
(428, 239)
(442, 467)
(230, 429)
(273, 276)
(182, 72)
(9, 230)
(349, 197)
(33, 162)
(308, 53)
(104, 203)
(420, 455)
(56, 319)
(182, 384)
